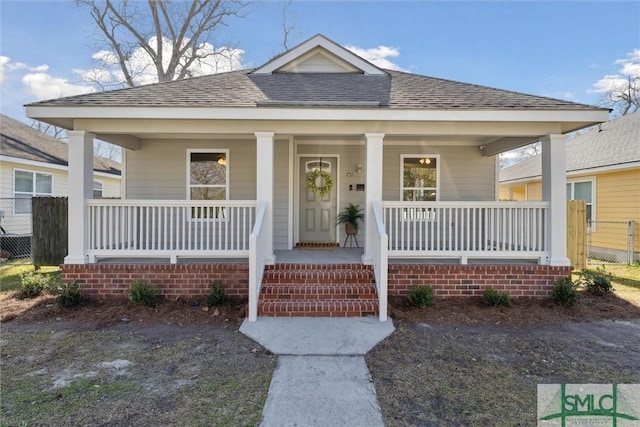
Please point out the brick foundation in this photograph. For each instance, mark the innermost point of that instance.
(471, 280)
(112, 281)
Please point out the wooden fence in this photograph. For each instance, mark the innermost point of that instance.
(577, 233)
(49, 243)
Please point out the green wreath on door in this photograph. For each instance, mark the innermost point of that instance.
(319, 181)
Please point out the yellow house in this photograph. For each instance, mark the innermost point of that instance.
(35, 164)
(603, 168)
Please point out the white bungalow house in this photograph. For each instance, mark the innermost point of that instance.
(217, 167)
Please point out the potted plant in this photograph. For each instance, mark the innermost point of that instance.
(349, 217)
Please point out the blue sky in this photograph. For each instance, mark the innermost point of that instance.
(550, 48)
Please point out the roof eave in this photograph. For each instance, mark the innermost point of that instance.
(64, 116)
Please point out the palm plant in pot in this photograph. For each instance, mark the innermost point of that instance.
(349, 217)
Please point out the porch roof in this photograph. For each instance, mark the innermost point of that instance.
(612, 144)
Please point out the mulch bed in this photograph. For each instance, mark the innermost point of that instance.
(194, 312)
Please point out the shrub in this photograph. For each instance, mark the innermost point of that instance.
(54, 283)
(33, 284)
(564, 292)
(69, 295)
(495, 298)
(142, 292)
(596, 282)
(421, 296)
(216, 295)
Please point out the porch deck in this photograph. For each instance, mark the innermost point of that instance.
(335, 256)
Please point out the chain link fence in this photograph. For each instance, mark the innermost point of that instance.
(15, 229)
(612, 241)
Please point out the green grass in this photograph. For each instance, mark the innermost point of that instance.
(10, 274)
(625, 280)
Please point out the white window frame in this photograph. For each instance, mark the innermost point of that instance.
(424, 214)
(220, 215)
(591, 180)
(97, 181)
(33, 192)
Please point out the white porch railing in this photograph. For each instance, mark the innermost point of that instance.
(171, 228)
(257, 260)
(380, 260)
(466, 229)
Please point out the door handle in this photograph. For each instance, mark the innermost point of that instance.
(333, 203)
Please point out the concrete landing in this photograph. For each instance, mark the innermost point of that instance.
(318, 336)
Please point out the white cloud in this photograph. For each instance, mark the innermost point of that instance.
(629, 66)
(45, 86)
(7, 66)
(108, 73)
(4, 60)
(378, 56)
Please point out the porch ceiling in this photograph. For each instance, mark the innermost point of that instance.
(495, 131)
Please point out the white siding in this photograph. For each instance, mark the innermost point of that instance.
(158, 170)
(22, 223)
(465, 175)
(110, 186)
(281, 196)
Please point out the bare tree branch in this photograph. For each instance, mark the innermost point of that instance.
(171, 33)
(50, 130)
(286, 30)
(624, 99)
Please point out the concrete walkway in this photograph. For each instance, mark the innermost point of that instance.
(321, 378)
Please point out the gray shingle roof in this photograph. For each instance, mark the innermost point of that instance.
(616, 142)
(397, 90)
(22, 142)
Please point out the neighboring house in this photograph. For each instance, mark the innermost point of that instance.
(603, 168)
(35, 164)
(218, 166)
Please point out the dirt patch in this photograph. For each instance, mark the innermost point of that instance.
(522, 312)
(480, 375)
(65, 373)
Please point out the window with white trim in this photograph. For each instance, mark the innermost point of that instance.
(27, 184)
(97, 189)
(420, 178)
(207, 180)
(583, 190)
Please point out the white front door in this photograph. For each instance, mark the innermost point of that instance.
(317, 213)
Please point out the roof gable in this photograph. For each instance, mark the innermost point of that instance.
(319, 55)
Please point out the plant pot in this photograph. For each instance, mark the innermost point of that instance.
(351, 228)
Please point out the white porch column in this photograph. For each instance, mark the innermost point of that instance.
(264, 185)
(554, 191)
(80, 189)
(373, 188)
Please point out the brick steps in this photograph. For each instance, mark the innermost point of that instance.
(318, 290)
